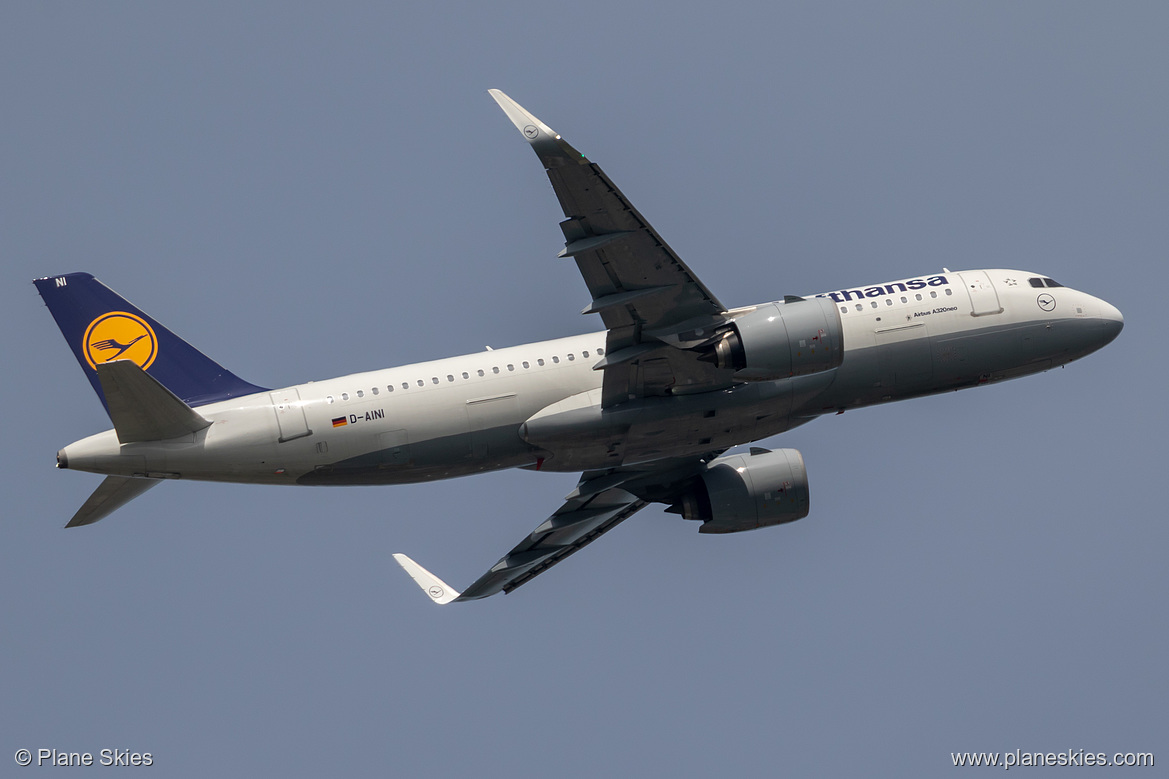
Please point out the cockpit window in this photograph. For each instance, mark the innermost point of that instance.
(1053, 283)
(1035, 282)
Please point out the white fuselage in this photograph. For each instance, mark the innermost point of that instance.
(467, 414)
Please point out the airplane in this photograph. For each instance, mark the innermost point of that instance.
(646, 410)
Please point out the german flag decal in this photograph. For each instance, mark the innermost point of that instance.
(340, 422)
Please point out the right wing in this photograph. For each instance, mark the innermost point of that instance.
(601, 501)
(649, 300)
(579, 522)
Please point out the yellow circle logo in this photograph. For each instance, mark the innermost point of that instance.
(120, 336)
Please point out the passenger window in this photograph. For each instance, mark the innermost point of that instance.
(344, 396)
(585, 353)
(888, 301)
(450, 377)
(844, 309)
(949, 291)
(421, 383)
(389, 388)
(361, 393)
(859, 307)
(933, 293)
(465, 375)
(510, 367)
(495, 370)
(434, 380)
(480, 371)
(374, 390)
(329, 398)
(600, 352)
(873, 303)
(571, 356)
(555, 359)
(540, 362)
(918, 296)
(525, 363)
(405, 385)
(903, 299)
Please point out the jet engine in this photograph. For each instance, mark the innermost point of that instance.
(746, 491)
(779, 340)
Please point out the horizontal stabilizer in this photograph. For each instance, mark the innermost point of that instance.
(141, 408)
(110, 495)
(436, 588)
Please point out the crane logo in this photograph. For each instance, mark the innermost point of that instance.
(119, 336)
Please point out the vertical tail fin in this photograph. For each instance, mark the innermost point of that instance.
(101, 326)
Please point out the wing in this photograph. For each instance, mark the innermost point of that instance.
(651, 303)
(600, 502)
(579, 522)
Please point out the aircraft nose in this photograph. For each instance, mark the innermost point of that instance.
(1112, 320)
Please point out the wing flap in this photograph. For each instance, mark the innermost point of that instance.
(543, 549)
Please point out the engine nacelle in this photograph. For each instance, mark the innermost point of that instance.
(780, 340)
(746, 491)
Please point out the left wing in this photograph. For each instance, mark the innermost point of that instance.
(649, 300)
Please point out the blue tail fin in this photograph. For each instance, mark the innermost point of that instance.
(102, 326)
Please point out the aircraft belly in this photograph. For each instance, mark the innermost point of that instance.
(898, 369)
(493, 421)
(904, 359)
(446, 434)
(1000, 352)
(443, 457)
(589, 438)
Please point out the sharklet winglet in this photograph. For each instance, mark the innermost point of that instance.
(435, 588)
(552, 150)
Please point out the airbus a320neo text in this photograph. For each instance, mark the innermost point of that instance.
(646, 409)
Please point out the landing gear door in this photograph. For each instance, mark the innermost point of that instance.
(289, 414)
(983, 298)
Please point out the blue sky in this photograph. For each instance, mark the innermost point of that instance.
(303, 192)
